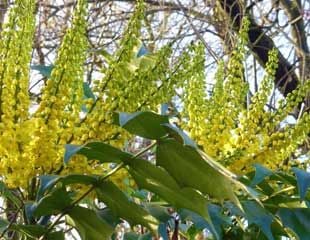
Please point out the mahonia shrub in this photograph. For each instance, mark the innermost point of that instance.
(32, 143)
(236, 133)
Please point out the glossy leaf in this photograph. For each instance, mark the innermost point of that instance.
(189, 169)
(143, 124)
(89, 225)
(53, 203)
(259, 216)
(298, 220)
(34, 231)
(260, 174)
(47, 182)
(97, 151)
(3, 224)
(159, 212)
(119, 204)
(157, 180)
(162, 231)
(5, 192)
(59, 235)
(219, 221)
(179, 135)
(110, 217)
(303, 182)
(45, 71)
(88, 93)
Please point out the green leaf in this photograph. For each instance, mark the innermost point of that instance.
(117, 201)
(3, 224)
(159, 212)
(189, 169)
(30, 207)
(70, 151)
(88, 93)
(134, 236)
(219, 221)
(146, 236)
(297, 219)
(259, 216)
(130, 236)
(89, 225)
(8, 194)
(162, 231)
(100, 151)
(260, 174)
(45, 71)
(143, 124)
(179, 135)
(303, 182)
(157, 180)
(78, 179)
(110, 217)
(34, 231)
(53, 203)
(56, 236)
(47, 182)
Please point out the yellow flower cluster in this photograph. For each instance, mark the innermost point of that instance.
(33, 144)
(15, 50)
(233, 132)
(210, 120)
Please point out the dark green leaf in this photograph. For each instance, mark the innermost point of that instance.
(48, 181)
(189, 169)
(143, 124)
(8, 194)
(53, 203)
(259, 216)
(260, 174)
(97, 151)
(89, 225)
(110, 217)
(218, 219)
(70, 151)
(33, 231)
(134, 236)
(159, 212)
(146, 236)
(162, 231)
(88, 93)
(297, 219)
(3, 225)
(179, 135)
(78, 179)
(30, 207)
(117, 201)
(131, 236)
(45, 71)
(157, 180)
(56, 236)
(303, 182)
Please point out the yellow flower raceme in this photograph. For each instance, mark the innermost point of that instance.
(15, 53)
(235, 134)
